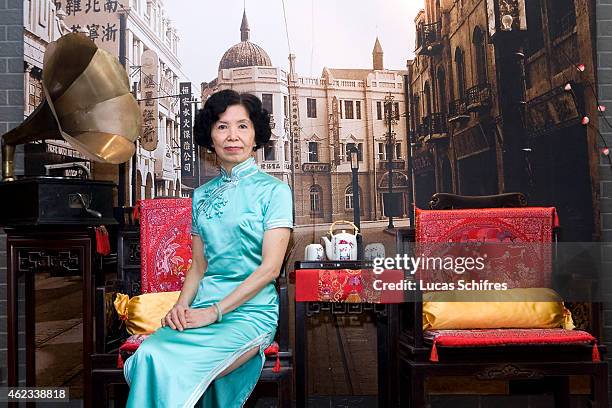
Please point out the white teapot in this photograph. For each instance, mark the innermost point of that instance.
(342, 246)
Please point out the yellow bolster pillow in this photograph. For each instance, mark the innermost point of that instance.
(142, 314)
(520, 308)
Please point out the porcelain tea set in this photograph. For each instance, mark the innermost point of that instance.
(341, 246)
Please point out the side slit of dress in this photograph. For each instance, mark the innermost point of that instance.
(262, 341)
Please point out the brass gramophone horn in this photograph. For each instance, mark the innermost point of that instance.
(87, 102)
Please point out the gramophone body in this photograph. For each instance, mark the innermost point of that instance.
(87, 103)
(41, 201)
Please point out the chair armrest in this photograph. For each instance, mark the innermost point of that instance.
(445, 201)
(283, 313)
(109, 330)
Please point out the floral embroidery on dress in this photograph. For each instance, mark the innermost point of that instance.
(214, 200)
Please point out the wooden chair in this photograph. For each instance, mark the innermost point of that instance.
(540, 367)
(106, 376)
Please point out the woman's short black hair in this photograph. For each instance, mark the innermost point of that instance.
(217, 103)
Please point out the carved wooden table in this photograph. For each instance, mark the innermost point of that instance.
(69, 249)
(385, 316)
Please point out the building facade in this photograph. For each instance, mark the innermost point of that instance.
(500, 109)
(149, 32)
(142, 36)
(315, 121)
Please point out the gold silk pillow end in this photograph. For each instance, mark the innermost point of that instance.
(142, 314)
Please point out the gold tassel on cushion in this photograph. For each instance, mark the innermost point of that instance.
(568, 322)
(121, 305)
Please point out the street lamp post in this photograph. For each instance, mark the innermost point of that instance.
(354, 157)
(508, 33)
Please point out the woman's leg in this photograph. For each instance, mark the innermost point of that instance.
(240, 361)
(174, 368)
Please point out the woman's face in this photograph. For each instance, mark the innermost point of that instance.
(233, 136)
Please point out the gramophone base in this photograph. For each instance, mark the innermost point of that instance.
(39, 201)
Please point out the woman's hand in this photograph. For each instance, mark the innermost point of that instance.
(200, 317)
(176, 317)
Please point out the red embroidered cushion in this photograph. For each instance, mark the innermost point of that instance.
(505, 337)
(132, 343)
(165, 243)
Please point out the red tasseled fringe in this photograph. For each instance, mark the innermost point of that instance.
(596, 356)
(434, 353)
(119, 361)
(136, 211)
(271, 350)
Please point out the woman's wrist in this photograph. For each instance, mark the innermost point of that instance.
(182, 302)
(217, 308)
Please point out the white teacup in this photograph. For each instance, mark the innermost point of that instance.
(313, 252)
(375, 250)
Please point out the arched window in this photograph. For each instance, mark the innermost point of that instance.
(442, 90)
(316, 207)
(149, 186)
(348, 198)
(138, 185)
(480, 54)
(417, 108)
(460, 69)
(427, 92)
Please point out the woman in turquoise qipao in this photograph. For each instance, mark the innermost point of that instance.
(210, 350)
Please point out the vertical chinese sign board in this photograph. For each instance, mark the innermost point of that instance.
(189, 170)
(98, 19)
(149, 103)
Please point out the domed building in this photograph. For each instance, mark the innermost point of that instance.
(315, 122)
(245, 53)
(247, 67)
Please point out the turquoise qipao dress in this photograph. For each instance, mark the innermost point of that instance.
(178, 369)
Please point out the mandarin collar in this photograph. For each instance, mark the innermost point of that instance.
(241, 170)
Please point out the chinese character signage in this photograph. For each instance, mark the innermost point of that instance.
(98, 19)
(316, 167)
(149, 102)
(295, 128)
(551, 111)
(334, 129)
(188, 151)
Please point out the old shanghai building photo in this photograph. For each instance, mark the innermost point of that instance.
(282, 203)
